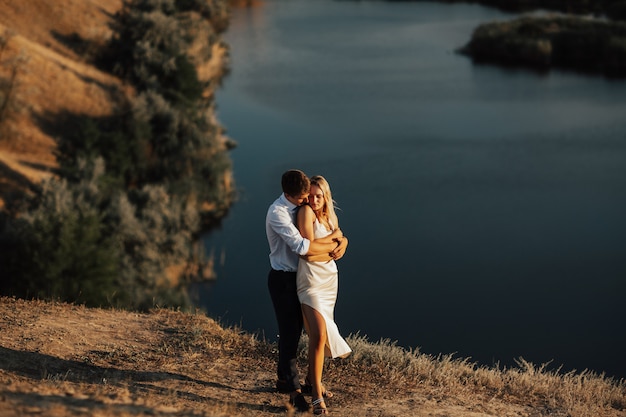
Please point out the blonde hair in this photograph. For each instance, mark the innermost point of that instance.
(328, 210)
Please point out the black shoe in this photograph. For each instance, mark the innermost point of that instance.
(300, 403)
(283, 387)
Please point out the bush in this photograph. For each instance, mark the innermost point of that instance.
(75, 244)
(178, 144)
(150, 47)
(185, 153)
(155, 232)
(88, 138)
(215, 11)
(170, 140)
(60, 248)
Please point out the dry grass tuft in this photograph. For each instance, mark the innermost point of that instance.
(570, 394)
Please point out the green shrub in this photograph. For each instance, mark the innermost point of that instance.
(216, 11)
(156, 232)
(185, 152)
(149, 49)
(60, 248)
(88, 138)
(77, 245)
(179, 146)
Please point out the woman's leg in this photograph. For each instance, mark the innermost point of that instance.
(317, 340)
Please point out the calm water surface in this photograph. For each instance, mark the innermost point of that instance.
(486, 208)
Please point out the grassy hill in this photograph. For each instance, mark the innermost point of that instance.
(66, 360)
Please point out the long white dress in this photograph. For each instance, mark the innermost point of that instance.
(317, 287)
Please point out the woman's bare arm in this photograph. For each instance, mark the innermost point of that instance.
(320, 249)
(306, 218)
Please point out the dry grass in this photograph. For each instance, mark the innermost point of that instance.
(570, 394)
(54, 40)
(64, 360)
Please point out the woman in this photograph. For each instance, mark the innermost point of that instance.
(317, 283)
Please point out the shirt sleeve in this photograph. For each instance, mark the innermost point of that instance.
(281, 223)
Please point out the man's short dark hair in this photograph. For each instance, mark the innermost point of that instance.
(295, 183)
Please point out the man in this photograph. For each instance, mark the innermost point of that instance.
(286, 246)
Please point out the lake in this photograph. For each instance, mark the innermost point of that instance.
(485, 207)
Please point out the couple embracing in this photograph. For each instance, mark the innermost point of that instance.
(305, 240)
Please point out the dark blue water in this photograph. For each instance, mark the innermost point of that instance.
(486, 208)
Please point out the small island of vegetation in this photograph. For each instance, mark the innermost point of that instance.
(579, 43)
(585, 35)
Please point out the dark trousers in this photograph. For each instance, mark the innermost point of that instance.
(282, 286)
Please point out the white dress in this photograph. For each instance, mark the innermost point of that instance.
(317, 287)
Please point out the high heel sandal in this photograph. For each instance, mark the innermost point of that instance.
(319, 407)
(307, 388)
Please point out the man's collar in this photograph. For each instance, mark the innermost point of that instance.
(288, 203)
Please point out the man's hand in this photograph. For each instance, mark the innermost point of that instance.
(340, 244)
(340, 250)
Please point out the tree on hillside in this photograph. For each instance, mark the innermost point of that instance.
(176, 142)
(112, 236)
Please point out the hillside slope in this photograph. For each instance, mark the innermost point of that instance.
(49, 43)
(65, 360)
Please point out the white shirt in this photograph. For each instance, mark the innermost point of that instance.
(286, 242)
